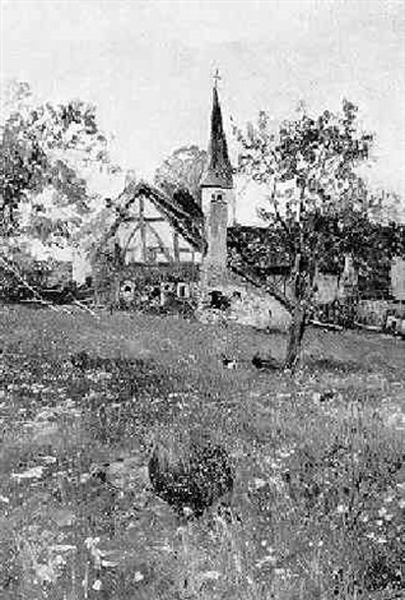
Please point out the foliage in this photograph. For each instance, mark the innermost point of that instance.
(182, 171)
(44, 149)
(267, 250)
(309, 168)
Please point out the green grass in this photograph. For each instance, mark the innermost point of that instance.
(319, 480)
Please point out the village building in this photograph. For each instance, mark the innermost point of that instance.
(154, 242)
(159, 249)
(161, 252)
(176, 252)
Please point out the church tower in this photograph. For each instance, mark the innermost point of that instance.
(218, 200)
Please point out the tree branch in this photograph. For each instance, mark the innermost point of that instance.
(268, 288)
(37, 296)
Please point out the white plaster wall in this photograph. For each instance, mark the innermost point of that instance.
(398, 278)
(328, 288)
(81, 267)
(150, 211)
(165, 232)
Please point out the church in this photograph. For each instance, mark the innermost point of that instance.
(159, 248)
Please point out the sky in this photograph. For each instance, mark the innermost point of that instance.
(148, 66)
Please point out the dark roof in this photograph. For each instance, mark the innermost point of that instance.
(219, 171)
(181, 211)
(185, 201)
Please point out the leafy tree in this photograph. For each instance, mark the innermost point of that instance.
(182, 171)
(45, 149)
(48, 153)
(309, 167)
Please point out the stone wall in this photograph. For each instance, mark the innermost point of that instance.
(245, 305)
(373, 312)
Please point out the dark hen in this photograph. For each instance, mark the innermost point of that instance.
(192, 479)
(264, 363)
(81, 360)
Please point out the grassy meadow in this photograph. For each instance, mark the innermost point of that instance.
(319, 461)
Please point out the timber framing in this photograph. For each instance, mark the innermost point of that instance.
(189, 225)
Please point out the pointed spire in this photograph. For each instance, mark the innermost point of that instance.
(219, 172)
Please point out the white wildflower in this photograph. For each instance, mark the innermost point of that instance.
(62, 548)
(210, 575)
(33, 473)
(49, 460)
(259, 483)
(269, 559)
(97, 585)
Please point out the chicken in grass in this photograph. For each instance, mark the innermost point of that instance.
(268, 363)
(190, 475)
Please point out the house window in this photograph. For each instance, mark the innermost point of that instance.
(216, 198)
(128, 291)
(183, 290)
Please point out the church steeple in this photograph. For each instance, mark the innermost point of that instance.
(219, 171)
(218, 198)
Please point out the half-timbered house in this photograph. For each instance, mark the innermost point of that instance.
(155, 244)
(159, 247)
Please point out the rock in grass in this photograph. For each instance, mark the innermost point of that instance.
(190, 475)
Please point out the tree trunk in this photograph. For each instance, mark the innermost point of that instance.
(296, 334)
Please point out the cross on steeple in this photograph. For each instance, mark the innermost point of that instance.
(216, 78)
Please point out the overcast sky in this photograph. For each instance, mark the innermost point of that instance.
(147, 65)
